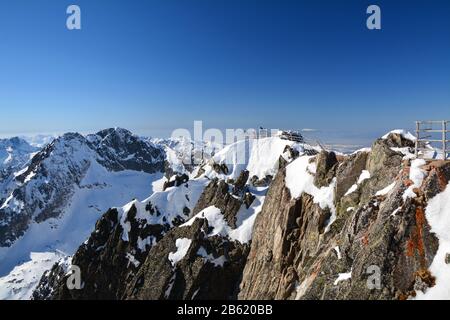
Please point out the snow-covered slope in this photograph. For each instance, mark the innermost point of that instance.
(258, 156)
(178, 154)
(60, 194)
(23, 279)
(184, 155)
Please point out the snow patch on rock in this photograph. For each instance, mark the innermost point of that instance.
(364, 176)
(299, 180)
(183, 245)
(386, 190)
(343, 277)
(416, 175)
(405, 134)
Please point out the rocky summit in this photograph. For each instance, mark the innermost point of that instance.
(296, 225)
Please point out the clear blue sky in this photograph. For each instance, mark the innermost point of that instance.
(155, 65)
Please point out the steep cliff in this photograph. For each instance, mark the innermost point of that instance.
(379, 246)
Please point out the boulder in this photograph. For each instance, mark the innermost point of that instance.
(326, 165)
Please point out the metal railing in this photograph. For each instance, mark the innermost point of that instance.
(432, 132)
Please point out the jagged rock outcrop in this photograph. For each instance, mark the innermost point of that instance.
(397, 140)
(136, 266)
(348, 172)
(218, 193)
(326, 168)
(107, 260)
(283, 220)
(120, 243)
(210, 268)
(176, 181)
(115, 266)
(387, 234)
(52, 280)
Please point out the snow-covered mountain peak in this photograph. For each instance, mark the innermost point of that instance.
(67, 184)
(258, 156)
(14, 152)
(119, 149)
(115, 133)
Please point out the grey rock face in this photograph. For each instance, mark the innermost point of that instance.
(120, 150)
(382, 163)
(326, 168)
(106, 260)
(176, 182)
(194, 277)
(385, 236)
(396, 140)
(218, 193)
(240, 184)
(348, 172)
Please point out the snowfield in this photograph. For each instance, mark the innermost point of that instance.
(99, 190)
(258, 156)
(65, 189)
(23, 279)
(170, 203)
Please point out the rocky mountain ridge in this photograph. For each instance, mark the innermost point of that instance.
(204, 224)
(330, 227)
(43, 189)
(368, 225)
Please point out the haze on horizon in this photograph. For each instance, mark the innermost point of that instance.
(153, 66)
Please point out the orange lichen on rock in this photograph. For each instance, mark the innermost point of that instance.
(426, 277)
(405, 296)
(415, 243)
(410, 247)
(408, 182)
(365, 239)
